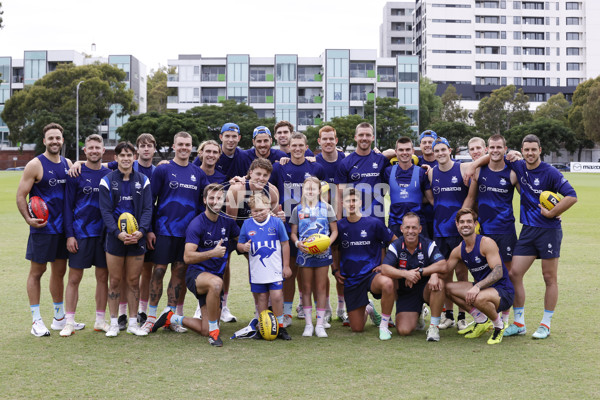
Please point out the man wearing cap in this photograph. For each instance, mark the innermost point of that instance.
(261, 141)
(229, 137)
(450, 194)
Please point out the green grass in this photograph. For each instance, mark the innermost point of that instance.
(345, 365)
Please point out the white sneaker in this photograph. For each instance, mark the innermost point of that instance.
(39, 329)
(461, 324)
(67, 330)
(100, 326)
(424, 311)
(433, 334)
(59, 324)
(178, 328)
(135, 330)
(287, 320)
(320, 331)
(113, 331)
(328, 316)
(308, 331)
(198, 313)
(226, 315)
(445, 323)
(300, 311)
(147, 327)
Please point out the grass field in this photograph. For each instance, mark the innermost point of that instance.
(346, 365)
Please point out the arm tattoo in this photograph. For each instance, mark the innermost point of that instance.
(492, 278)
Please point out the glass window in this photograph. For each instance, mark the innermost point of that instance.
(572, 5)
(261, 95)
(337, 67)
(386, 74)
(573, 66)
(261, 74)
(286, 95)
(239, 94)
(213, 73)
(286, 72)
(572, 21)
(572, 51)
(517, 5)
(408, 73)
(572, 81)
(309, 74)
(362, 70)
(237, 72)
(573, 36)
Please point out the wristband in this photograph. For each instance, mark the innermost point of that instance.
(334, 271)
(296, 244)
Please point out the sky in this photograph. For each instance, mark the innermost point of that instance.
(156, 31)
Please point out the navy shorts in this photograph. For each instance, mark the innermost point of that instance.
(190, 282)
(358, 295)
(46, 247)
(116, 247)
(396, 229)
(410, 299)
(90, 252)
(506, 244)
(265, 287)
(168, 249)
(149, 256)
(447, 244)
(540, 242)
(506, 299)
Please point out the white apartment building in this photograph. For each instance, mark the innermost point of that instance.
(396, 31)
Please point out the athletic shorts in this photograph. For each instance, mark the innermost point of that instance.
(396, 229)
(190, 282)
(265, 287)
(358, 295)
(168, 249)
(506, 299)
(46, 247)
(411, 299)
(447, 244)
(90, 252)
(506, 244)
(116, 247)
(149, 256)
(540, 242)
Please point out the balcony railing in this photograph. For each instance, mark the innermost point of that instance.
(310, 99)
(172, 99)
(173, 77)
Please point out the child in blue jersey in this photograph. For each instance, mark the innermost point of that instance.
(265, 240)
(310, 217)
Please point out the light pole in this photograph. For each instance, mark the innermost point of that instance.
(374, 114)
(77, 123)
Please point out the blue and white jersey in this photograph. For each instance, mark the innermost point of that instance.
(407, 189)
(225, 163)
(125, 202)
(449, 194)
(365, 174)
(425, 254)
(479, 268)
(312, 220)
(177, 192)
(494, 197)
(51, 188)
(265, 258)
(82, 205)
(206, 234)
(288, 179)
(360, 244)
(330, 168)
(427, 209)
(532, 183)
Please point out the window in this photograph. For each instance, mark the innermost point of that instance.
(237, 72)
(452, 51)
(398, 12)
(239, 94)
(386, 92)
(487, 4)
(573, 81)
(572, 5)
(533, 51)
(533, 35)
(4, 95)
(408, 73)
(558, 66)
(533, 21)
(487, 34)
(516, 51)
(211, 95)
(517, 35)
(286, 95)
(362, 70)
(573, 66)
(517, 66)
(189, 95)
(572, 21)
(503, 65)
(309, 74)
(572, 51)
(530, 66)
(517, 20)
(517, 5)
(262, 113)
(452, 5)
(487, 65)
(452, 36)
(453, 21)
(533, 81)
(386, 74)
(488, 80)
(451, 66)
(261, 95)
(573, 36)
(487, 19)
(503, 81)
(359, 92)
(337, 67)
(398, 40)
(286, 72)
(518, 81)
(533, 5)
(261, 74)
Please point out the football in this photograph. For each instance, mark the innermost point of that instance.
(267, 325)
(38, 208)
(317, 243)
(324, 187)
(127, 223)
(549, 199)
(415, 160)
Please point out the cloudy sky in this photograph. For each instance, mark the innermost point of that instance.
(155, 31)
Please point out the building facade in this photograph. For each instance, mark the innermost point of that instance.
(396, 31)
(15, 74)
(302, 90)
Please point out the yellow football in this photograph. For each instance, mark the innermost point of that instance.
(267, 325)
(127, 223)
(317, 243)
(549, 199)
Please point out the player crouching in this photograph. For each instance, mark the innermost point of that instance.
(492, 291)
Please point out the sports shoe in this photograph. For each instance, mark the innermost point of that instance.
(287, 320)
(112, 331)
(101, 326)
(479, 329)
(141, 318)
(39, 329)
(308, 330)
(433, 334)
(463, 327)
(375, 317)
(497, 336)
(420, 323)
(198, 313)
(214, 339)
(385, 334)
(163, 319)
(326, 324)
(300, 311)
(424, 311)
(320, 331)
(283, 334)
(513, 330)
(445, 323)
(541, 333)
(328, 316)
(122, 322)
(136, 330)
(67, 330)
(227, 316)
(147, 327)
(59, 324)
(177, 328)
(343, 316)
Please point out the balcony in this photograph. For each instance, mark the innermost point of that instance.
(310, 99)
(173, 77)
(386, 78)
(172, 99)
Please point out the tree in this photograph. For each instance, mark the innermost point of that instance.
(552, 133)
(430, 105)
(457, 133)
(392, 121)
(576, 115)
(1, 12)
(157, 89)
(591, 114)
(52, 99)
(345, 127)
(557, 108)
(505, 108)
(451, 109)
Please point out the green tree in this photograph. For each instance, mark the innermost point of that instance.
(552, 133)
(430, 105)
(505, 108)
(157, 89)
(457, 133)
(576, 115)
(451, 109)
(1, 12)
(52, 99)
(591, 114)
(345, 127)
(557, 108)
(392, 121)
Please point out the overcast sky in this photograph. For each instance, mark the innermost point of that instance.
(155, 31)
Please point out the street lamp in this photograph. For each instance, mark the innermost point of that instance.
(374, 114)
(77, 123)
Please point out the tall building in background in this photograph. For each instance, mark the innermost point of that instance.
(396, 31)
(302, 90)
(15, 74)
